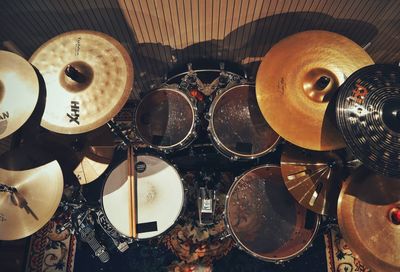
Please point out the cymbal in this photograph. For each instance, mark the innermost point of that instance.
(88, 76)
(369, 218)
(39, 192)
(296, 80)
(314, 178)
(19, 92)
(87, 155)
(368, 115)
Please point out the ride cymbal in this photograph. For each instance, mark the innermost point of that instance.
(313, 178)
(28, 199)
(369, 219)
(88, 76)
(19, 92)
(86, 155)
(296, 80)
(368, 114)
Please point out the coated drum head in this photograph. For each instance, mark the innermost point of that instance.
(165, 119)
(160, 197)
(265, 220)
(237, 125)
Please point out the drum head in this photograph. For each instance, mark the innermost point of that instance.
(160, 197)
(238, 125)
(165, 118)
(265, 220)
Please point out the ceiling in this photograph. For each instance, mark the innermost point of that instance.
(163, 34)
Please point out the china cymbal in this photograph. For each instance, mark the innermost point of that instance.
(369, 219)
(37, 193)
(88, 76)
(296, 80)
(19, 92)
(87, 155)
(314, 178)
(368, 114)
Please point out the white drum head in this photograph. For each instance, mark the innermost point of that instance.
(160, 196)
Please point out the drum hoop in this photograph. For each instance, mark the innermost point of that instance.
(183, 204)
(246, 249)
(189, 137)
(215, 138)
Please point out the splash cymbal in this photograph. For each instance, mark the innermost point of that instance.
(86, 155)
(313, 178)
(296, 80)
(88, 76)
(19, 92)
(368, 114)
(36, 197)
(369, 218)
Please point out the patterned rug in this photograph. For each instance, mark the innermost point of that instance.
(339, 256)
(50, 251)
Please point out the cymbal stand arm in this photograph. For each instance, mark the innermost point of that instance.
(118, 132)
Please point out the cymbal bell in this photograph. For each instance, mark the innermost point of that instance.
(19, 92)
(88, 76)
(85, 155)
(314, 178)
(296, 80)
(369, 218)
(37, 194)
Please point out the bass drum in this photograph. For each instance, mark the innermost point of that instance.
(265, 220)
(160, 197)
(236, 125)
(166, 119)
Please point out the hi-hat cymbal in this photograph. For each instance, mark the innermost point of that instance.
(296, 80)
(314, 178)
(30, 207)
(368, 114)
(87, 155)
(19, 92)
(369, 219)
(88, 76)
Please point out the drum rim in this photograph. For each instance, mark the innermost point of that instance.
(183, 203)
(249, 251)
(189, 137)
(213, 135)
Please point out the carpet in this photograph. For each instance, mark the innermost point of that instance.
(50, 251)
(339, 257)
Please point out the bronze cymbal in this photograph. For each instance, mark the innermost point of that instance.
(369, 218)
(38, 193)
(314, 178)
(88, 76)
(296, 80)
(86, 155)
(19, 92)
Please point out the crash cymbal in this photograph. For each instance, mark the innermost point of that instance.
(88, 76)
(314, 178)
(296, 80)
(369, 219)
(368, 114)
(19, 92)
(28, 199)
(86, 155)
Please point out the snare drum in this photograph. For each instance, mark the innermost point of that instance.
(265, 220)
(166, 119)
(236, 125)
(160, 197)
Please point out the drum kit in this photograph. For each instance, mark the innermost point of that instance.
(319, 103)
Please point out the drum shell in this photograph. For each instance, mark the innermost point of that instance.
(243, 247)
(182, 206)
(191, 133)
(218, 144)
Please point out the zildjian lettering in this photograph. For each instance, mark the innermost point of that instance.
(73, 117)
